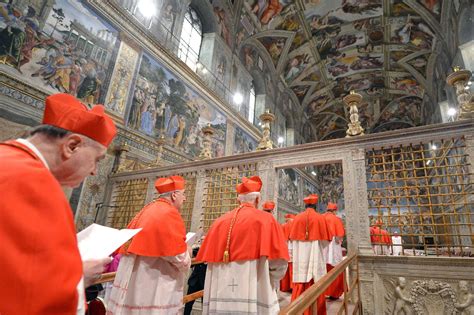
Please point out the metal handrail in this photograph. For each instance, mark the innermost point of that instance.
(310, 296)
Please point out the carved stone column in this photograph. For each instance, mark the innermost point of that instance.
(197, 215)
(229, 138)
(150, 190)
(356, 203)
(268, 175)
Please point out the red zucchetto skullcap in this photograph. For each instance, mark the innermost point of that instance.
(268, 205)
(249, 185)
(169, 184)
(332, 206)
(311, 199)
(290, 216)
(67, 112)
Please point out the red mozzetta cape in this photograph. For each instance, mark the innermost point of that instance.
(40, 266)
(255, 233)
(286, 227)
(163, 232)
(312, 222)
(334, 224)
(379, 236)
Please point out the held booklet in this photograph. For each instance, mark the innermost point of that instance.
(98, 241)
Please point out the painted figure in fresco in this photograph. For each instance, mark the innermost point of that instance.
(12, 36)
(275, 49)
(60, 79)
(88, 89)
(33, 37)
(148, 120)
(361, 6)
(325, 25)
(249, 57)
(416, 33)
(116, 102)
(367, 62)
(75, 76)
(179, 134)
(221, 21)
(296, 65)
(135, 113)
(168, 15)
(267, 9)
(432, 5)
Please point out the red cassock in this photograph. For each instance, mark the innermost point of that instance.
(386, 238)
(163, 232)
(336, 228)
(40, 266)
(309, 226)
(286, 284)
(379, 236)
(255, 234)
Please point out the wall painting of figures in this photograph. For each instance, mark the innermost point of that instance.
(121, 81)
(58, 46)
(243, 142)
(162, 102)
(288, 183)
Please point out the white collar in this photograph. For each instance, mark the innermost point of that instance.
(33, 148)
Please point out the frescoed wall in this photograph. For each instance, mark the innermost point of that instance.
(58, 46)
(164, 104)
(243, 142)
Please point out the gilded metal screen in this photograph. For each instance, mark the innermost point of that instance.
(220, 195)
(190, 188)
(128, 198)
(421, 199)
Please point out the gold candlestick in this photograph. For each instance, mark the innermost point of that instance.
(206, 152)
(265, 142)
(459, 79)
(353, 128)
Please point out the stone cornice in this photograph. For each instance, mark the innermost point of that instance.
(369, 141)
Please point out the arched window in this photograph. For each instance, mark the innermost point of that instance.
(191, 38)
(252, 98)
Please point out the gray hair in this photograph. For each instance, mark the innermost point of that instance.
(250, 197)
(168, 194)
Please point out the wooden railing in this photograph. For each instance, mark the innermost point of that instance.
(309, 297)
(110, 276)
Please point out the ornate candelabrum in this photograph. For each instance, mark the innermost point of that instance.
(121, 152)
(265, 142)
(159, 154)
(459, 79)
(206, 152)
(353, 128)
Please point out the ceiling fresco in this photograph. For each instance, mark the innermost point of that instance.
(320, 50)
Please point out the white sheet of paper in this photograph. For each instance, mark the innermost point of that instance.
(192, 237)
(98, 241)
